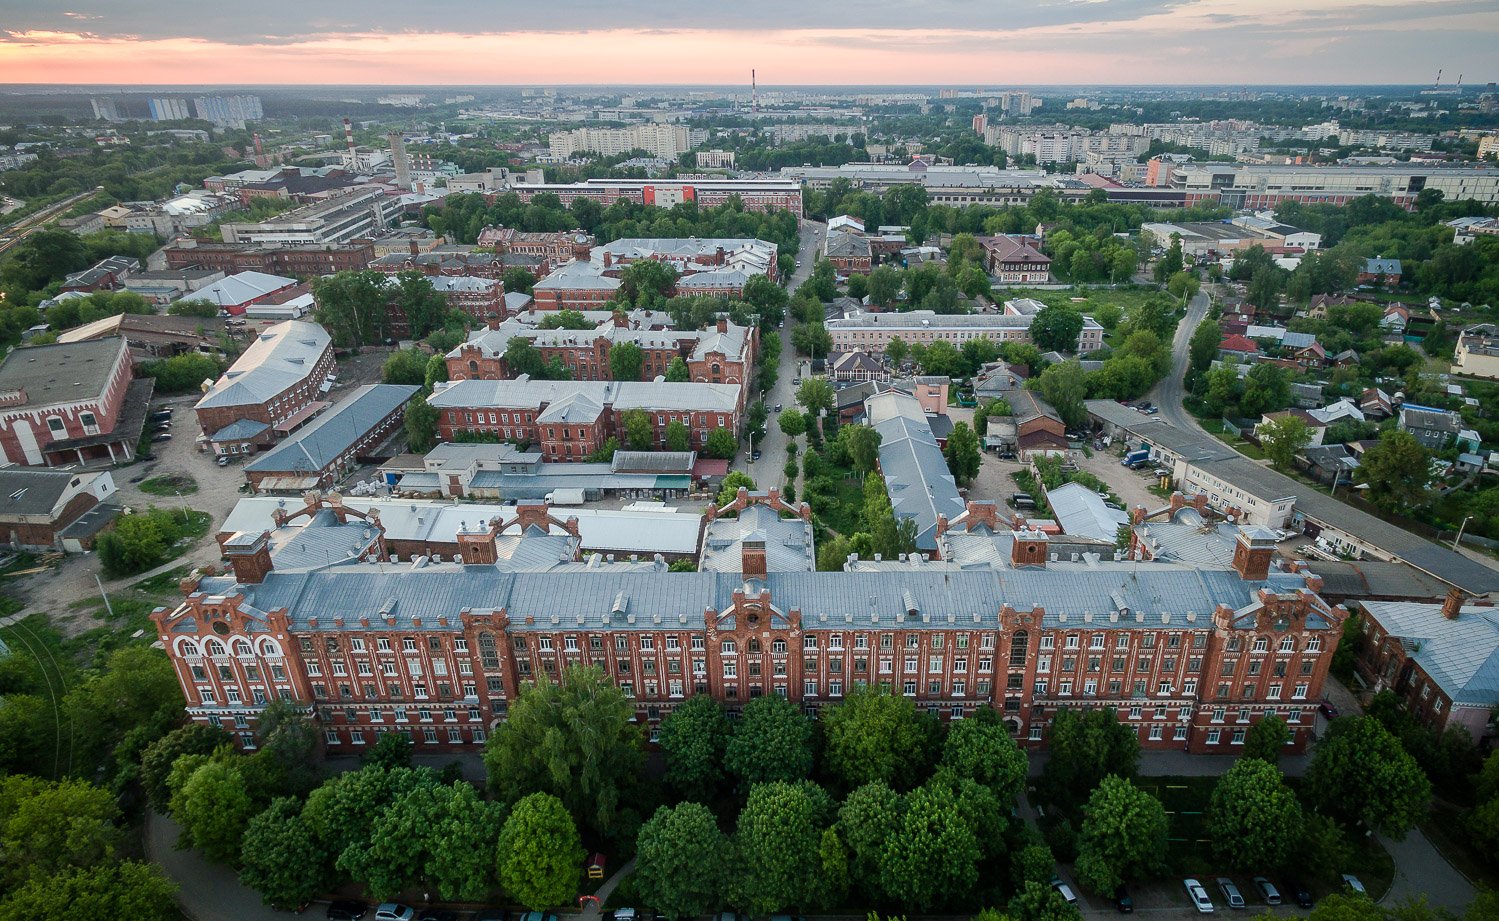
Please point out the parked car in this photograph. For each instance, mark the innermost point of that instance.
(1231, 893)
(161, 436)
(223, 460)
(1301, 895)
(1354, 884)
(1267, 889)
(778, 407)
(346, 910)
(755, 454)
(394, 911)
(1122, 901)
(624, 914)
(1199, 896)
(1327, 709)
(1064, 890)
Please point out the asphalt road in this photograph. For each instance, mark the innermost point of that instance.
(1170, 391)
(767, 471)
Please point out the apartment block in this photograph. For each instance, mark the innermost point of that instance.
(358, 214)
(871, 332)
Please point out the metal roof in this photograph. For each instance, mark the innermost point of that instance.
(1080, 511)
(916, 475)
(788, 542)
(279, 358)
(321, 442)
(240, 288)
(1461, 654)
(621, 395)
(61, 373)
(31, 491)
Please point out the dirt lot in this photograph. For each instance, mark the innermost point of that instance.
(1130, 485)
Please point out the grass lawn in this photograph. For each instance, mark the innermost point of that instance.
(169, 485)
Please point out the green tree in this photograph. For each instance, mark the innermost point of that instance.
(729, 489)
(866, 818)
(1254, 819)
(884, 285)
(159, 756)
(280, 858)
(181, 373)
(1040, 902)
(646, 280)
(768, 298)
(1266, 739)
(391, 750)
(1283, 438)
(931, 857)
(625, 361)
(517, 280)
(963, 453)
(353, 306)
(980, 749)
(133, 701)
(212, 803)
(1123, 836)
(523, 357)
(772, 741)
(677, 372)
(815, 394)
(792, 422)
(812, 339)
(678, 436)
(638, 429)
(1183, 285)
(288, 756)
(876, 735)
(778, 843)
(436, 373)
(896, 350)
(342, 812)
(1204, 346)
(1267, 388)
(47, 828)
(420, 425)
(137, 543)
(1397, 471)
(681, 865)
(411, 295)
(1171, 262)
(434, 835)
(573, 739)
(694, 737)
(540, 856)
(405, 366)
(1065, 386)
(862, 444)
(138, 891)
(1056, 329)
(1086, 748)
(1360, 773)
(721, 444)
(974, 282)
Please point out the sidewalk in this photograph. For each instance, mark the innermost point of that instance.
(1183, 764)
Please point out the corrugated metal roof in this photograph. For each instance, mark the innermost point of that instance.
(280, 357)
(916, 475)
(1461, 655)
(319, 444)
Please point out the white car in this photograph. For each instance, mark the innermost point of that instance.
(1064, 890)
(1353, 883)
(394, 911)
(1199, 897)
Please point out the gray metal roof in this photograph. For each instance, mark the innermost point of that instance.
(32, 491)
(916, 475)
(239, 430)
(280, 357)
(788, 541)
(1081, 512)
(1214, 456)
(61, 373)
(321, 442)
(1461, 655)
(622, 395)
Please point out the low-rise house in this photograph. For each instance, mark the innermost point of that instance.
(152, 336)
(1396, 318)
(1238, 347)
(1441, 660)
(1329, 463)
(167, 285)
(1376, 404)
(107, 274)
(331, 445)
(1038, 428)
(45, 510)
(1380, 271)
(1433, 428)
(71, 403)
(857, 367)
(234, 293)
(1016, 260)
(848, 252)
(1348, 358)
(1477, 352)
(1314, 425)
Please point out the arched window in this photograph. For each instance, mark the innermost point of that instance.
(242, 648)
(473, 367)
(1020, 644)
(188, 649)
(215, 648)
(269, 647)
(754, 645)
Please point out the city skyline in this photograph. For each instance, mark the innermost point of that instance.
(1105, 42)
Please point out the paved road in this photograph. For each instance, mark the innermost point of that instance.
(208, 891)
(1169, 392)
(1421, 870)
(766, 471)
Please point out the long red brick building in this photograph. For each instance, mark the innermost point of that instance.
(1189, 657)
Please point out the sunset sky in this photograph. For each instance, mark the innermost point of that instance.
(788, 41)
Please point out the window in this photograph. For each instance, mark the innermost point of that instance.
(1299, 693)
(1066, 688)
(1072, 641)
(1213, 736)
(934, 665)
(909, 689)
(1238, 737)
(1179, 734)
(729, 647)
(809, 642)
(1218, 714)
(912, 641)
(1261, 644)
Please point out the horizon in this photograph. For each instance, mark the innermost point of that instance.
(1096, 42)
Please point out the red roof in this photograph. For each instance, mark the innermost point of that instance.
(710, 467)
(1238, 343)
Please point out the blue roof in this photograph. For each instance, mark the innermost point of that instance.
(331, 434)
(239, 430)
(916, 475)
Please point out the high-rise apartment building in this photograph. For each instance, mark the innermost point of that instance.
(166, 109)
(656, 140)
(106, 109)
(228, 111)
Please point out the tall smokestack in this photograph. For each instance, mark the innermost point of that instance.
(259, 150)
(754, 93)
(399, 159)
(349, 144)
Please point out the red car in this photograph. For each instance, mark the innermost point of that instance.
(1327, 709)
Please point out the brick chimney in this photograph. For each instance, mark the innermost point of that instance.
(1253, 552)
(415, 249)
(476, 548)
(1200, 502)
(1178, 502)
(1452, 605)
(983, 513)
(753, 559)
(621, 321)
(1029, 549)
(533, 513)
(249, 555)
(1138, 514)
(723, 324)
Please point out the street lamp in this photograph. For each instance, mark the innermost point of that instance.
(1457, 540)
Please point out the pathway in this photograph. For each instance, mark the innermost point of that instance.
(594, 911)
(1421, 870)
(207, 891)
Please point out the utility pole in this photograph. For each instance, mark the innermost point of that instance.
(105, 595)
(1459, 539)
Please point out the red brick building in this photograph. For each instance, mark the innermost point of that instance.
(723, 354)
(71, 403)
(278, 382)
(570, 420)
(302, 261)
(754, 194)
(1189, 659)
(1016, 260)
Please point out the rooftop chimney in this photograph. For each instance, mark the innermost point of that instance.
(250, 556)
(1253, 551)
(1452, 605)
(1029, 549)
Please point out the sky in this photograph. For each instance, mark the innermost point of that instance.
(789, 42)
